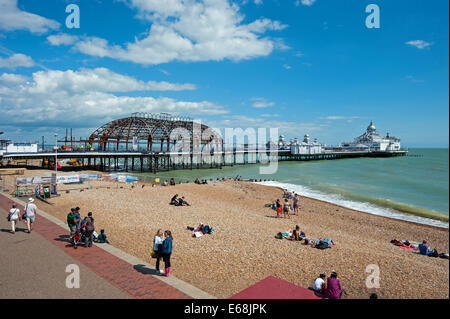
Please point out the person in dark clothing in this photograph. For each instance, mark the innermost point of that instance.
(166, 251)
(174, 200)
(89, 231)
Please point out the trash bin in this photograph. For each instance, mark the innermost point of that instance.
(46, 191)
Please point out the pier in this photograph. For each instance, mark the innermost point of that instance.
(146, 142)
(166, 161)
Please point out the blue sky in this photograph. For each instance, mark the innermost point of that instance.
(302, 66)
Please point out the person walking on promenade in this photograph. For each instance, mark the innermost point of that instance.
(157, 247)
(72, 223)
(30, 213)
(89, 235)
(13, 217)
(166, 251)
(78, 223)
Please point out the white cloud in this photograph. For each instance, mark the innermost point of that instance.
(413, 79)
(16, 60)
(62, 39)
(287, 66)
(12, 78)
(190, 31)
(12, 18)
(420, 44)
(258, 2)
(86, 96)
(334, 117)
(304, 2)
(260, 102)
(100, 80)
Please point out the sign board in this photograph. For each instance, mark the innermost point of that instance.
(68, 179)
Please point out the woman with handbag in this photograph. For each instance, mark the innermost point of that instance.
(157, 244)
(13, 217)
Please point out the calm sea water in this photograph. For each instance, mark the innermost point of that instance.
(414, 187)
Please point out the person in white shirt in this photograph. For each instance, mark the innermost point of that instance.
(13, 217)
(30, 212)
(319, 284)
(157, 242)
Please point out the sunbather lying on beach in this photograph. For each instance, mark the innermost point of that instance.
(319, 243)
(201, 230)
(182, 202)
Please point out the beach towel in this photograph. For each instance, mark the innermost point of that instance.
(198, 234)
(407, 247)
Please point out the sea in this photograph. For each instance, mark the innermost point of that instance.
(413, 187)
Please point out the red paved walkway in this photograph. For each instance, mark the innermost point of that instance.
(275, 288)
(115, 270)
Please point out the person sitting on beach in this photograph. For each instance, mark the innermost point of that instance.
(197, 181)
(424, 249)
(297, 234)
(174, 200)
(172, 182)
(333, 288)
(102, 238)
(319, 285)
(164, 183)
(182, 202)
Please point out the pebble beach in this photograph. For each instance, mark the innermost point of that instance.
(243, 250)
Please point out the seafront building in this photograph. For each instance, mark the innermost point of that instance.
(371, 140)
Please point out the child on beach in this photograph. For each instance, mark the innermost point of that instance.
(320, 285)
(279, 208)
(102, 238)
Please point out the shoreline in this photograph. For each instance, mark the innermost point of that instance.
(366, 213)
(441, 218)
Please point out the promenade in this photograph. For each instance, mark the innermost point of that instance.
(34, 266)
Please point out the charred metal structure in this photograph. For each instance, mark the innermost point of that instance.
(161, 132)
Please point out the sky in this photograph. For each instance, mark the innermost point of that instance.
(302, 66)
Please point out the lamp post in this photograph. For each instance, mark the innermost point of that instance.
(56, 153)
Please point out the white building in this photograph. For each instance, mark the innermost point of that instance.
(20, 148)
(371, 140)
(305, 147)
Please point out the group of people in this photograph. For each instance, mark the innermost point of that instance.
(162, 249)
(331, 289)
(423, 248)
(179, 201)
(201, 182)
(14, 216)
(290, 203)
(83, 229)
